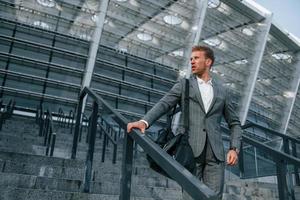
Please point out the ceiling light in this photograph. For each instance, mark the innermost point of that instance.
(134, 3)
(248, 31)
(172, 19)
(121, 0)
(41, 24)
(213, 42)
(84, 36)
(144, 36)
(47, 3)
(213, 3)
(177, 53)
(265, 81)
(94, 17)
(241, 62)
(281, 56)
(289, 94)
(194, 28)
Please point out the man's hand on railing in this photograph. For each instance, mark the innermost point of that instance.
(232, 157)
(138, 124)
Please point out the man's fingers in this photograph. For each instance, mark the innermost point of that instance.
(129, 127)
(232, 158)
(139, 125)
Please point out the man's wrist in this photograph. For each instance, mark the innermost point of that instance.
(145, 122)
(234, 149)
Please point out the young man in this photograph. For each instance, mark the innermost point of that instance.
(209, 101)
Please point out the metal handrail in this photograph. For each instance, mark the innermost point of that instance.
(271, 131)
(191, 184)
(282, 159)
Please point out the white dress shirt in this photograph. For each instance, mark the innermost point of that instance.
(206, 91)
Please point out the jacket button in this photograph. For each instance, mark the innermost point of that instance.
(204, 130)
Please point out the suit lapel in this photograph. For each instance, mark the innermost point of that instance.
(216, 91)
(194, 84)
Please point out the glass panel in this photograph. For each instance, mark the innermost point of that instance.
(54, 107)
(68, 60)
(137, 79)
(131, 107)
(166, 73)
(61, 92)
(21, 85)
(31, 52)
(110, 55)
(72, 45)
(143, 66)
(105, 86)
(134, 93)
(6, 29)
(61, 76)
(162, 85)
(108, 71)
(4, 46)
(249, 162)
(22, 100)
(3, 62)
(26, 68)
(36, 36)
(155, 97)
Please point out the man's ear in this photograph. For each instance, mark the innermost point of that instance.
(208, 62)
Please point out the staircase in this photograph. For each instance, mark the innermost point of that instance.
(27, 174)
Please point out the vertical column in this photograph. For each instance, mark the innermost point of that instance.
(257, 59)
(95, 41)
(201, 7)
(291, 101)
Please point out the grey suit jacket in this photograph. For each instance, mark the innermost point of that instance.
(201, 124)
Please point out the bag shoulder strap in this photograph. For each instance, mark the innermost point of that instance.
(185, 107)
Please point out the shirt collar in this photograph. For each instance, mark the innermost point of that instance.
(200, 81)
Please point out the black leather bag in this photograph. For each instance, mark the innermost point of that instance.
(176, 146)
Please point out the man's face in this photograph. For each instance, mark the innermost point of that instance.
(199, 63)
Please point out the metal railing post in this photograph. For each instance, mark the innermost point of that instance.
(281, 180)
(77, 125)
(103, 148)
(294, 153)
(241, 161)
(127, 160)
(92, 138)
(53, 144)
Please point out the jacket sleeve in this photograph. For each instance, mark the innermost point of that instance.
(233, 122)
(167, 102)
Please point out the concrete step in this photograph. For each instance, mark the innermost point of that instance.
(12, 162)
(244, 189)
(101, 187)
(34, 194)
(297, 192)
